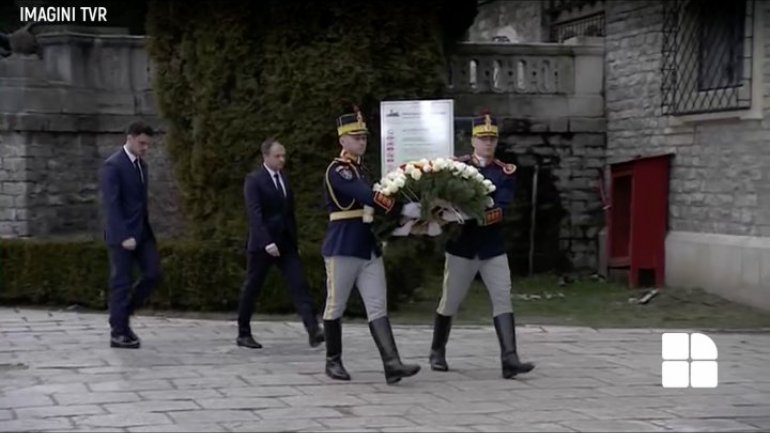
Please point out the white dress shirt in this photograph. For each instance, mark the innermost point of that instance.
(133, 159)
(280, 184)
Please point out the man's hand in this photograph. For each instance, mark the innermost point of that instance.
(412, 210)
(129, 244)
(272, 249)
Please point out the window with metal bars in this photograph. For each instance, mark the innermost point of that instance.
(707, 54)
(592, 25)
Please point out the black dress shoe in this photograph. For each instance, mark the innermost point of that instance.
(315, 338)
(130, 334)
(248, 341)
(123, 342)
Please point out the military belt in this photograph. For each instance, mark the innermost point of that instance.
(346, 214)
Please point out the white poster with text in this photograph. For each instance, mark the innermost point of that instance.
(413, 130)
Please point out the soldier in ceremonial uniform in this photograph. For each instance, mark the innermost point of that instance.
(480, 248)
(352, 254)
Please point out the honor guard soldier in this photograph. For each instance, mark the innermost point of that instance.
(480, 248)
(352, 254)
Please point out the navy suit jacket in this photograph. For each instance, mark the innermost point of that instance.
(124, 199)
(347, 186)
(271, 216)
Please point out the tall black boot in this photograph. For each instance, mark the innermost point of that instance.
(333, 334)
(506, 334)
(395, 370)
(441, 327)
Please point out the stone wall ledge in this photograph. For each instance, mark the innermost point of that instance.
(80, 123)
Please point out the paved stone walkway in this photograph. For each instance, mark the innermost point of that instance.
(57, 373)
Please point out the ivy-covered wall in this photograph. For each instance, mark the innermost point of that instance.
(230, 74)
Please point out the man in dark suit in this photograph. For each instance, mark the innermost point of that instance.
(123, 180)
(273, 240)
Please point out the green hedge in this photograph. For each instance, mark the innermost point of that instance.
(196, 276)
(228, 74)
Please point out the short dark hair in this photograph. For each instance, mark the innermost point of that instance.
(139, 128)
(267, 145)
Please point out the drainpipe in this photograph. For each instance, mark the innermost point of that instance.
(533, 217)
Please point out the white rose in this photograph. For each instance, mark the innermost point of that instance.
(491, 188)
(409, 167)
(457, 166)
(390, 190)
(416, 174)
(444, 164)
(376, 187)
(487, 183)
(424, 161)
(471, 169)
(427, 168)
(490, 202)
(479, 177)
(465, 174)
(400, 182)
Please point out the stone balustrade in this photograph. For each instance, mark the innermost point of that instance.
(529, 79)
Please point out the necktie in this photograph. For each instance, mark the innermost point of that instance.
(139, 169)
(278, 185)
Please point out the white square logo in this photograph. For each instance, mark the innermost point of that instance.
(675, 374)
(689, 360)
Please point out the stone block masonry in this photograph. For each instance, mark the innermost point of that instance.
(60, 117)
(548, 100)
(720, 168)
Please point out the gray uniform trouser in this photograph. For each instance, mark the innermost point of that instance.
(342, 273)
(458, 276)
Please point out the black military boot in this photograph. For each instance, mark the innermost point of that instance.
(395, 370)
(506, 334)
(333, 337)
(441, 327)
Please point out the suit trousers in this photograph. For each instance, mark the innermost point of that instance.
(458, 276)
(342, 273)
(290, 265)
(123, 302)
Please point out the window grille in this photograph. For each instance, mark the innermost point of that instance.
(706, 55)
(592, 25)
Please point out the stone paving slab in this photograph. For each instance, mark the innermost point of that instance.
(58, 373)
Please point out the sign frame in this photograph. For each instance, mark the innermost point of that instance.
(420, 111)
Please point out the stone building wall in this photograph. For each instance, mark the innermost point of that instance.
(721, 167)
(519, 21)
(548, 98)
(719, 199)
(60, 116)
